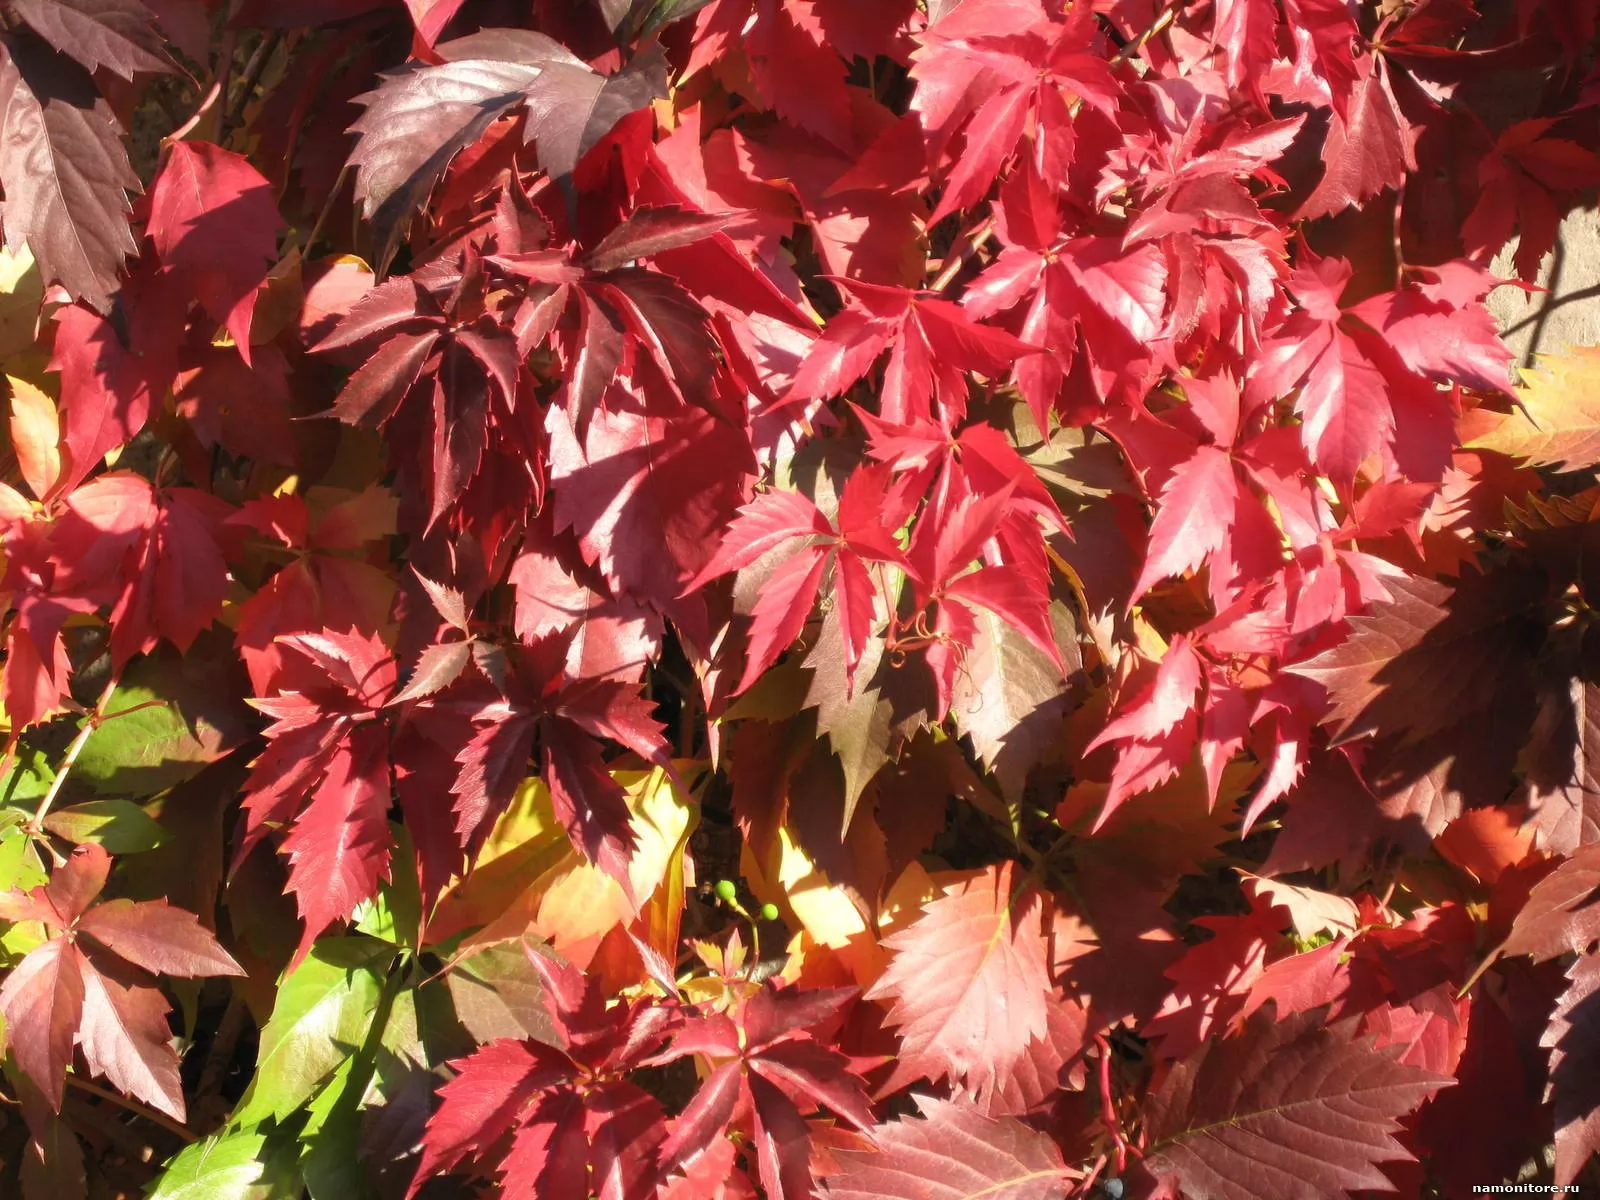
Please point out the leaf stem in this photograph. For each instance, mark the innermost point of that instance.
(90, 724)
(1489, 960)
(1108, 1106)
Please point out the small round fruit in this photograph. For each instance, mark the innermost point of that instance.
(727, 891)
(769, 912)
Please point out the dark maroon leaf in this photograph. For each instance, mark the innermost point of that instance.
(64, 169)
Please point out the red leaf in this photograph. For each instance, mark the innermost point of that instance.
(796, 74)
(431, 16)
(968, 982)
(640, 497)
(651, 230)
(1368, 148)
(61, 990)
(587, 801)
(1571, 1039)
(109, 387)
(1198, 507)
(161, 939)
(1291, 1106)
(491, 1089)
(215, 224)
(782, 1143)
(339, 846)
(705, 1117)
(44, 994)
(767, 522)
(64, 168)
(781, 611)
(953, 1153)
(125, 1037)
(1560, 915)
(117, 34)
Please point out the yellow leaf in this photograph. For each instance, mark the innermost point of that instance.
(36, 435)
(584, 904)
(529, 879)
(502, 892)
(798, 886)
(1557, 423)
(21, 300)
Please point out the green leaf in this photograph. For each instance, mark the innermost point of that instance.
(236, 1164)
(20, 866)
(191, 716)
(323, 1012)
(28, 778)
(395, 913)
(331, 1162)
(121, 826)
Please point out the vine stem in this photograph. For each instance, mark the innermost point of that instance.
(1167, 16)
(970, 245)
(90, 724)
(135, 1107)
(1108, 1107)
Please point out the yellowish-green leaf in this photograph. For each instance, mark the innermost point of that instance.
(121, 826)
(320, 1019)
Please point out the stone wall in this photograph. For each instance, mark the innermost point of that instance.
(1566, 316)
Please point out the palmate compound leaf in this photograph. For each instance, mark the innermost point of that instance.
(64, 170)
(422, 115)
(953, 1153)
(969, 981)
(1288, 1109)
(1557, 419)
(86, 983)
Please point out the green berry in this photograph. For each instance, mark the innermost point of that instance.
(727, 891)
(769, 912)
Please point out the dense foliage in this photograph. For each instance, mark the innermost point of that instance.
(874, 599)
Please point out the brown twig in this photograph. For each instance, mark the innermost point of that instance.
(215, 1070)
(137, 1108)
(254, 69)
(1165, 18)
(971, 243)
